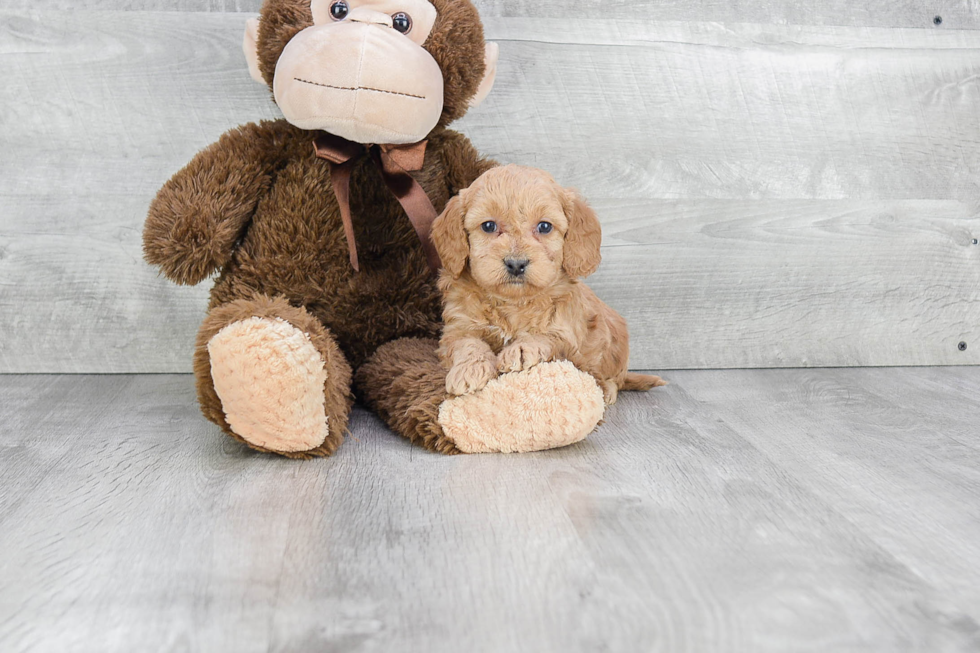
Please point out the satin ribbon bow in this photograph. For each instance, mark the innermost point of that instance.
(394, 162)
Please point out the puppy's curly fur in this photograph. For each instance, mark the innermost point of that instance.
(514, 246)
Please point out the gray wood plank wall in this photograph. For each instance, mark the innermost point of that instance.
(956, 14)
(780, 183)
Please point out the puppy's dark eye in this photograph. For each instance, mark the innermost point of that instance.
(339, 10)
(489, 227)
(402, 22)
(545, 227)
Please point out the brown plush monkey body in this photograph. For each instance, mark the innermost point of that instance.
(294, 245)
(289, 317)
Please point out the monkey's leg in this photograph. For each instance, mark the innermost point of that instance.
(272, 376)
(548, 406)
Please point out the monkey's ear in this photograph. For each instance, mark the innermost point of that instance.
(491, 54)
(583, 238)
(449, 237)
(250, 45)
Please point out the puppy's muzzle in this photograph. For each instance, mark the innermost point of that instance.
(516, 267)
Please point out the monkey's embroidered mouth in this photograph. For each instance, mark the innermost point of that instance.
(358, 88)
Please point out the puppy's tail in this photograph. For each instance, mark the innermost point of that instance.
(643, 382)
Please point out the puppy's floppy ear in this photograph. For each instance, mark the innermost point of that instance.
(449, 237)
(583, 238)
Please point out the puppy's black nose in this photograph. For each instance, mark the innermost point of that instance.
(516, 266)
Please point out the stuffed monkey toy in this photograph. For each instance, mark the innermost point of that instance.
(317, 229)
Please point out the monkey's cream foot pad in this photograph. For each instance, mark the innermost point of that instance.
(548, 406)
(270, 377)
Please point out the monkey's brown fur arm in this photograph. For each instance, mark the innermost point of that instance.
(463, 163)
(198, 215)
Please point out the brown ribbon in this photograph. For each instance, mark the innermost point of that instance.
(394, 162)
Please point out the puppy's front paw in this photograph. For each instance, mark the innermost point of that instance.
(470, 377)
(520, 356)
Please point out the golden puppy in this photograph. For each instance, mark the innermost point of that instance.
(513, 246)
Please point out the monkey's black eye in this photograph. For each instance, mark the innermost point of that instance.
(402, 22)
(545, 227)
(339, 10)
(489, 227)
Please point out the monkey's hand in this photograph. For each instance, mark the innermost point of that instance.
(199, 215)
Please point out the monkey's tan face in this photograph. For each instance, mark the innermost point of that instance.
(361, 72)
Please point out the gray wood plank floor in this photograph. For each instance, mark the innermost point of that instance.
(765, 510)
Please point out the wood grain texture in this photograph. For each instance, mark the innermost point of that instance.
(664, 110)
(798, 283)
(955, 14)
(98, 110)
(816, 186)
(176, 6)
(794, 510)
(858, 440)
